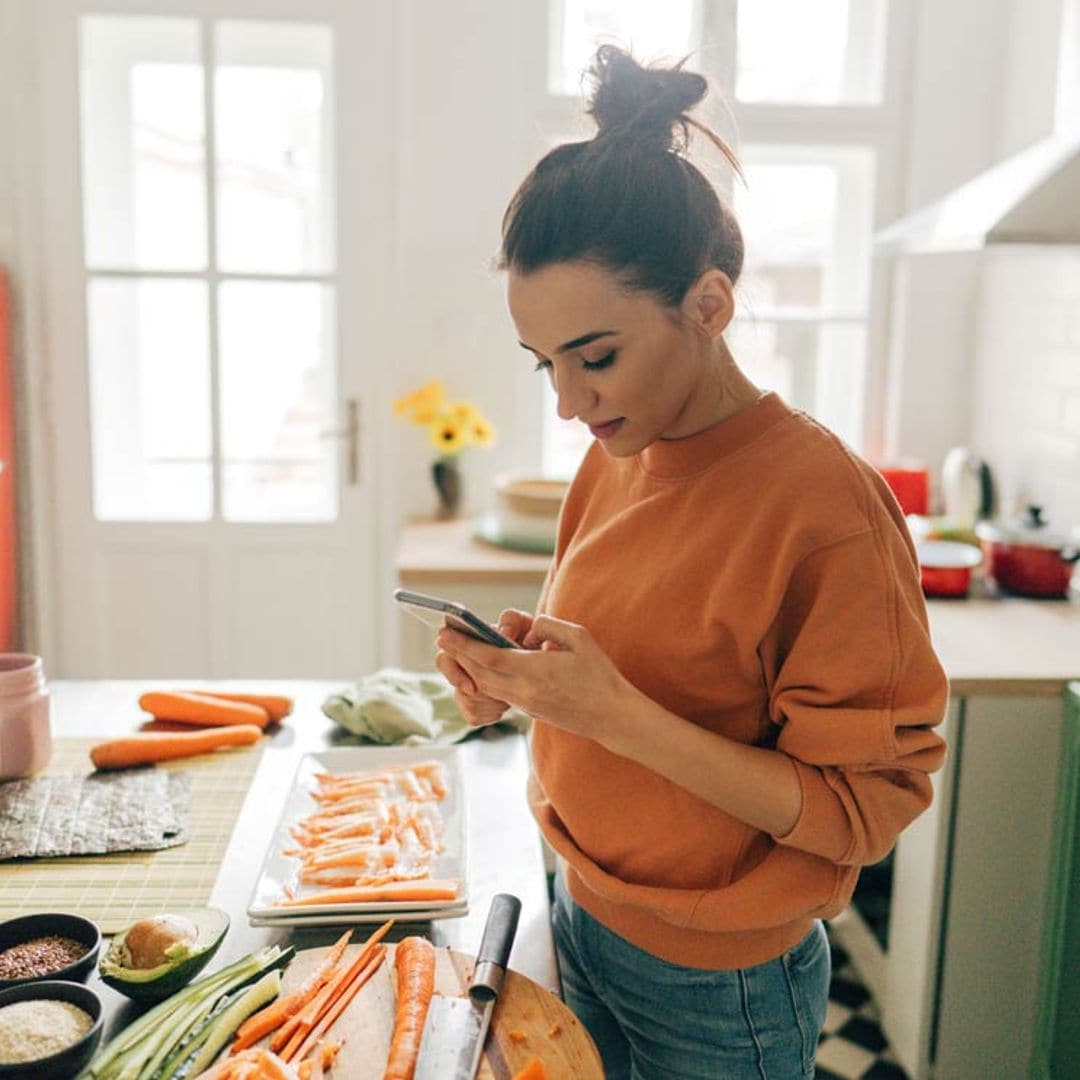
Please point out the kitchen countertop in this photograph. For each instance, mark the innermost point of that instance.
(503, 841)
(1007, 645)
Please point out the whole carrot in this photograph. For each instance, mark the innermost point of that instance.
(148, 747)
(277, 705)
(414, 963)
(201, 709)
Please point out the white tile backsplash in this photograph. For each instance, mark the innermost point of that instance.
(1026, 418)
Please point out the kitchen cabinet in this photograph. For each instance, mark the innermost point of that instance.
(977, 880)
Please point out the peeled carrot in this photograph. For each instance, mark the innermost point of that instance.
(415, 966)
(277, 1012)
(145, 748)
(297, 1026)
(533, 1070)
(277, 705)
(429, 889)
(195, 708)
(337, 1004)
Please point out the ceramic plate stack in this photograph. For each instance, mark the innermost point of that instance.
(278, 877)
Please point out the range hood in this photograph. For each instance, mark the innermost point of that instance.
(1032, 197)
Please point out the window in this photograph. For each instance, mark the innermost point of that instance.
(813, 119)
(209, 223)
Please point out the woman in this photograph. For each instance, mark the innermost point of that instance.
(730, 675)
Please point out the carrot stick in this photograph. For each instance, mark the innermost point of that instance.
(415, 966)
(318, 1006)
(313, 1006)
(276, 1013)
(431, 889)
(202, 709)
(145, 748)
(277, 705)
(339, 1006)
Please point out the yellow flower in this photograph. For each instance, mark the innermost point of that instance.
(446, 436)
(421, 406)
(481, 433)
(462, 412)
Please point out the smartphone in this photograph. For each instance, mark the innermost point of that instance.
(438, 613)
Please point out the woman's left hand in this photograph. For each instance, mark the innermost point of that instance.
(561, 676)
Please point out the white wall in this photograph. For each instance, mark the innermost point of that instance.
(956, 87)
(1027, 374)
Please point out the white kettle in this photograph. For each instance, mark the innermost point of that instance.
(964, 487)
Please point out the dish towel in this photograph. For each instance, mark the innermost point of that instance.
(406, 708)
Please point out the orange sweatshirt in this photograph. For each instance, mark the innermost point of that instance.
(756, 579)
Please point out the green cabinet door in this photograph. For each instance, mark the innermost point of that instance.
(1056, 1053)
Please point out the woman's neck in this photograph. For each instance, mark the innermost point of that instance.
(724, 391)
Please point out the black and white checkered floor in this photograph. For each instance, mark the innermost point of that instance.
(852, 1045)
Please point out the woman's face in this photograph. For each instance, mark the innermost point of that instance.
(618, 361)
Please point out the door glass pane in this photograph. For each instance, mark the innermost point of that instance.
(816, 367)
(149, 400)
(275, 169)
(278, 401)
(143, 144)
(806, 219)
(828, 52)
(652, 31)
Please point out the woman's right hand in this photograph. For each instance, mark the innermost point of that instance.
(479, 709)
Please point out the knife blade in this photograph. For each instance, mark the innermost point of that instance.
(456, 1027)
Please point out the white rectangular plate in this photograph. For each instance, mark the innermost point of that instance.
(279, 870)
(295, 918)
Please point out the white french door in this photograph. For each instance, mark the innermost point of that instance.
(216, 235)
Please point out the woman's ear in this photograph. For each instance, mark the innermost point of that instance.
(710, 302)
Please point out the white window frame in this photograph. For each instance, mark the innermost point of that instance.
(211, 275)
(879, 127)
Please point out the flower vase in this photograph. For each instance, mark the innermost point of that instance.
(447, 479)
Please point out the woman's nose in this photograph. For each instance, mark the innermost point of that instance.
(573, 398)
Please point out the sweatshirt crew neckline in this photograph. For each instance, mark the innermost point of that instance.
(674, 458)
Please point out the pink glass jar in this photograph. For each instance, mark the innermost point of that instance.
(25, 729)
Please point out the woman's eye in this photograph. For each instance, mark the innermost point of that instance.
(542, 365)
(603, 362)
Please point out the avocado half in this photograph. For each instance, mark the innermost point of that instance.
(155, 957)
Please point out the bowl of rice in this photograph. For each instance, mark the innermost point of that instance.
(48, 1030)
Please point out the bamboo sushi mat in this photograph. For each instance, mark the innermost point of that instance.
(116, 890)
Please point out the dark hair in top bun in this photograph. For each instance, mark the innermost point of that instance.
(628, 199)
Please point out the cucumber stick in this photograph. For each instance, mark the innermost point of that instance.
(224, 1026)
(140, 1042)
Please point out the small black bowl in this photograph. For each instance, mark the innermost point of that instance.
(28, 927)
(71, 1060)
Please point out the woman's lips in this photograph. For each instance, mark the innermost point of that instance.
(605, 431)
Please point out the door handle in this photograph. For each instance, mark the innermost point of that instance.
(351, 434)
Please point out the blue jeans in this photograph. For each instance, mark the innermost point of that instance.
(652, 1020)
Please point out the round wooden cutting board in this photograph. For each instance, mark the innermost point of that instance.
(551, 1031)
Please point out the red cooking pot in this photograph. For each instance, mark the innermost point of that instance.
(945, 567)
(1027, 557)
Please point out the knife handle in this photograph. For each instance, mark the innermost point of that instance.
(498, 939)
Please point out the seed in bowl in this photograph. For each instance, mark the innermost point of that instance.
(40, 956)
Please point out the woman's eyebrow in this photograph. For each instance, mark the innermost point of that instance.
(576, 343)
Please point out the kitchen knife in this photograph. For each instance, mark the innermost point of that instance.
(456, 1027)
